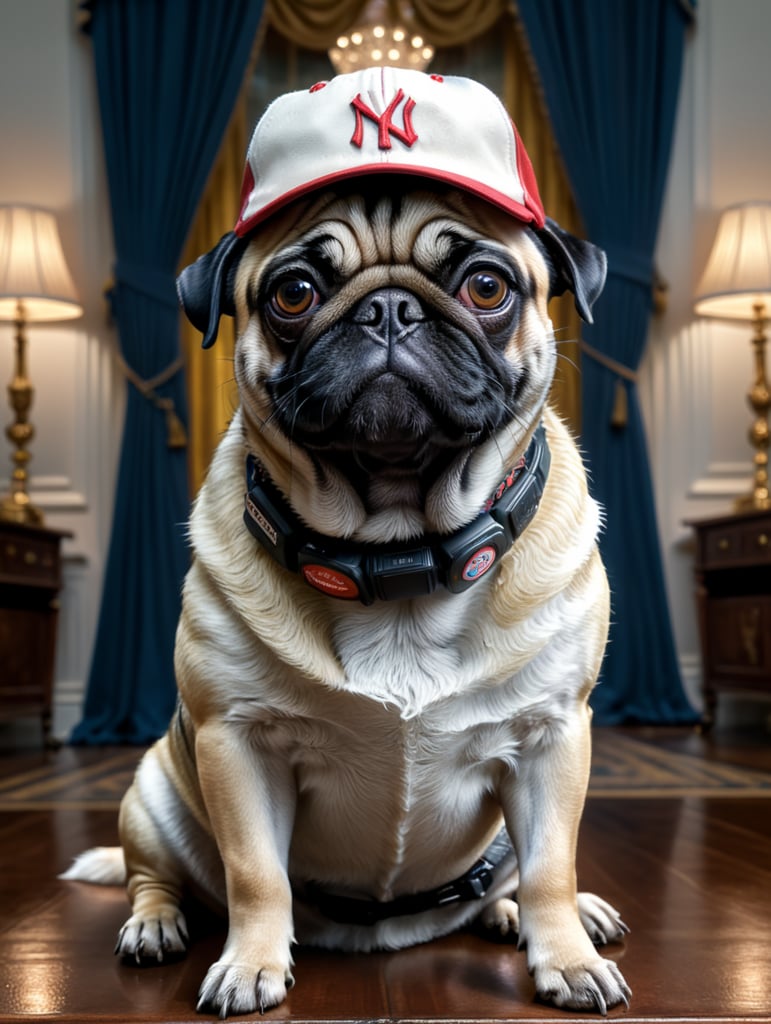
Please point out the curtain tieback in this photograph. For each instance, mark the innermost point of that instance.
(619, 417)
(176, 435)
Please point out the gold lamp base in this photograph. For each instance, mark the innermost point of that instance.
(752, 502)
(760, 401)
(17, 507)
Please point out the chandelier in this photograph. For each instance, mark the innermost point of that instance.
(382, 36)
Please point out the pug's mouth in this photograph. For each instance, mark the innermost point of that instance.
(389, 423)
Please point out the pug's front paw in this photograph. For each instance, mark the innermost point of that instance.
(597, 984)
(231, 988)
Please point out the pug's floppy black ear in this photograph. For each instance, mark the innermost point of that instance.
(206, 287)
(574, 265)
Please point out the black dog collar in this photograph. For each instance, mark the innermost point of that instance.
(473, 885)
(390, 572)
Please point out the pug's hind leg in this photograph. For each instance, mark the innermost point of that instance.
(502, 917)
(156, 930)
(602, 922)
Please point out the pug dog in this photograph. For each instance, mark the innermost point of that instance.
(396, 608)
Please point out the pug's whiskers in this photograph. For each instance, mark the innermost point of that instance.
(286, 405)
(562, 357)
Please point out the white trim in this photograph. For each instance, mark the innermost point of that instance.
(691, 674)
(733, 468)
(723, 480)
(69, 695)
(50, 483)
(53, 493)
(60, 501)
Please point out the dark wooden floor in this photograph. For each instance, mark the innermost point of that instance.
(692, 875)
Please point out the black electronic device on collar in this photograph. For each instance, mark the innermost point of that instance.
(389, 572)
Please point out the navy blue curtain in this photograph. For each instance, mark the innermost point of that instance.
(168, 74)
(611, 73)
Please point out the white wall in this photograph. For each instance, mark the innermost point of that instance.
(696, 372)
(51, 157)
(693, 379)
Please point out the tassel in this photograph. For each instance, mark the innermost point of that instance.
(176, 435)
(620, 415)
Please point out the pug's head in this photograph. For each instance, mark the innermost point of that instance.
(390, 326)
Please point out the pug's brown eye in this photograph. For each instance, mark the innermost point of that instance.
(294, 297)
(484, 289)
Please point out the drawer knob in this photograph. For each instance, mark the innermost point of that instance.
(724, 544)
(763, 540)
(10, 550)
(30, 558)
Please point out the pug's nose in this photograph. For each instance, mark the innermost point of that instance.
(389, 314)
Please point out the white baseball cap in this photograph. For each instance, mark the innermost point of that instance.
(386, 120)
(376, 121)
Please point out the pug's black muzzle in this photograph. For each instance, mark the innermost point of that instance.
(392, 378)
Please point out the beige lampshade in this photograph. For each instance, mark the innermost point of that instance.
(738, 272)
(33, 270)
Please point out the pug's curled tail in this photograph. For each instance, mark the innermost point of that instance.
(103, 865)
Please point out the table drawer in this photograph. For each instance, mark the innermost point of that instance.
(30, 561)
(756, 542)
(723, 544)
(736, 544)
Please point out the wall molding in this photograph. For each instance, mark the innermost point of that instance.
(722, 480)
(69, 695)
(57, 493)
(690, 673)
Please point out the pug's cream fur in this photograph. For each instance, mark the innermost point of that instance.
(380, 750)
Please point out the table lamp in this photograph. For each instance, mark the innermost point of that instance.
(736, 285)
(35, 285)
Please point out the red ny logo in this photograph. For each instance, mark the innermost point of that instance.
(385, 125)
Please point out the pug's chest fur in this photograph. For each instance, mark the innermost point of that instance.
(378, 794)
(401, 764)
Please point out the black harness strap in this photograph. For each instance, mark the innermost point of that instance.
(472, 885)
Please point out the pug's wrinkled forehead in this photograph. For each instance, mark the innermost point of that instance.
(377, 122)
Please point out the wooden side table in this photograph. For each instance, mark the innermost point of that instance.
(733, 598)
(30, 580)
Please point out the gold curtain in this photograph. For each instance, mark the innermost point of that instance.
(527, 106)
(452, 22)
(315, 24)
